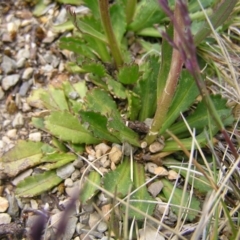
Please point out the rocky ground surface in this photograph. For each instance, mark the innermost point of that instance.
(30, 59)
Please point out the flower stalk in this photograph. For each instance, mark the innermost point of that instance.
(112, 42)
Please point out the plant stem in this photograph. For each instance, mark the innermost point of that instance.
(166, 94)
(130, 10)
(112, 42)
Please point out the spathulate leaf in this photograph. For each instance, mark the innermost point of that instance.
(94, 67)
(200, 118)
(37, 184)
(98, 126)
(140, 199)
(129, 74)
(118, 21)
(148, 12)
(119, 181)
(117, 128)
(58, 96)
(58, 156)
(88, 190)
(100, 101)
(147, 88)
(68, 128)
(116, 88)
(185, 95)
(24, 155)
(189, 210)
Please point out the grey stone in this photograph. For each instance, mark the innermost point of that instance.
(24, 88)
(5, 218)
(62, 16)
(102, 227)
(70, 228)
(10, 81)
(94, 218)
(13, 209)
(75, 175)
(65, 171)
(21, 62)
(18, 120)
(78, 163)
(155, 188)
(23, 53)
(22, 176)
(8, 65)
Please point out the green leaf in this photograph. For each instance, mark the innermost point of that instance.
(58, 97)
(119, 181)
(197, 181)
(117, 128)
(98, 126)
(100, 101)
(37, 184)
(116, 88)
(129, 74)
(81, 88)
(89, 26)
(200, 118)
(73, 2)
(147, 88)
(134, 105)
(88, 190)
(141, 196)
(38, 123)
(68, 128)
(118, 20)
(185, 95)
(56, 160)
(94, 67)
(76, 45)
(190, 210)
(24, 155)
(93, 6)
(148, 12)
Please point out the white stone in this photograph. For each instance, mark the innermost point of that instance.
(3, 204)
(36, 136)
(93, 219)
(12, 133)
(27, 73)
(5, 218)
(68, 182)
(104, 148)
(34, 204)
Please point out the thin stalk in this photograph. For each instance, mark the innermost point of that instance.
(130, 10)
(112, 42)
(166, 94)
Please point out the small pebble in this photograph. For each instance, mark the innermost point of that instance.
(155, 188)
(156, 147)
(150, 167)
(12, 133)
(68, 182)
(23, 53)
(115, 155)
(75, 175)
(8, 65)
(65, 171)
(104, 148)
(22, 176)
(78, 163)
(27, 73)
(34, 204)
(18, 120)
(5, 218)
(3, 204)
(102, 227)
(36, 137)
(10, 81)
(94, 218)
(1, 93)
